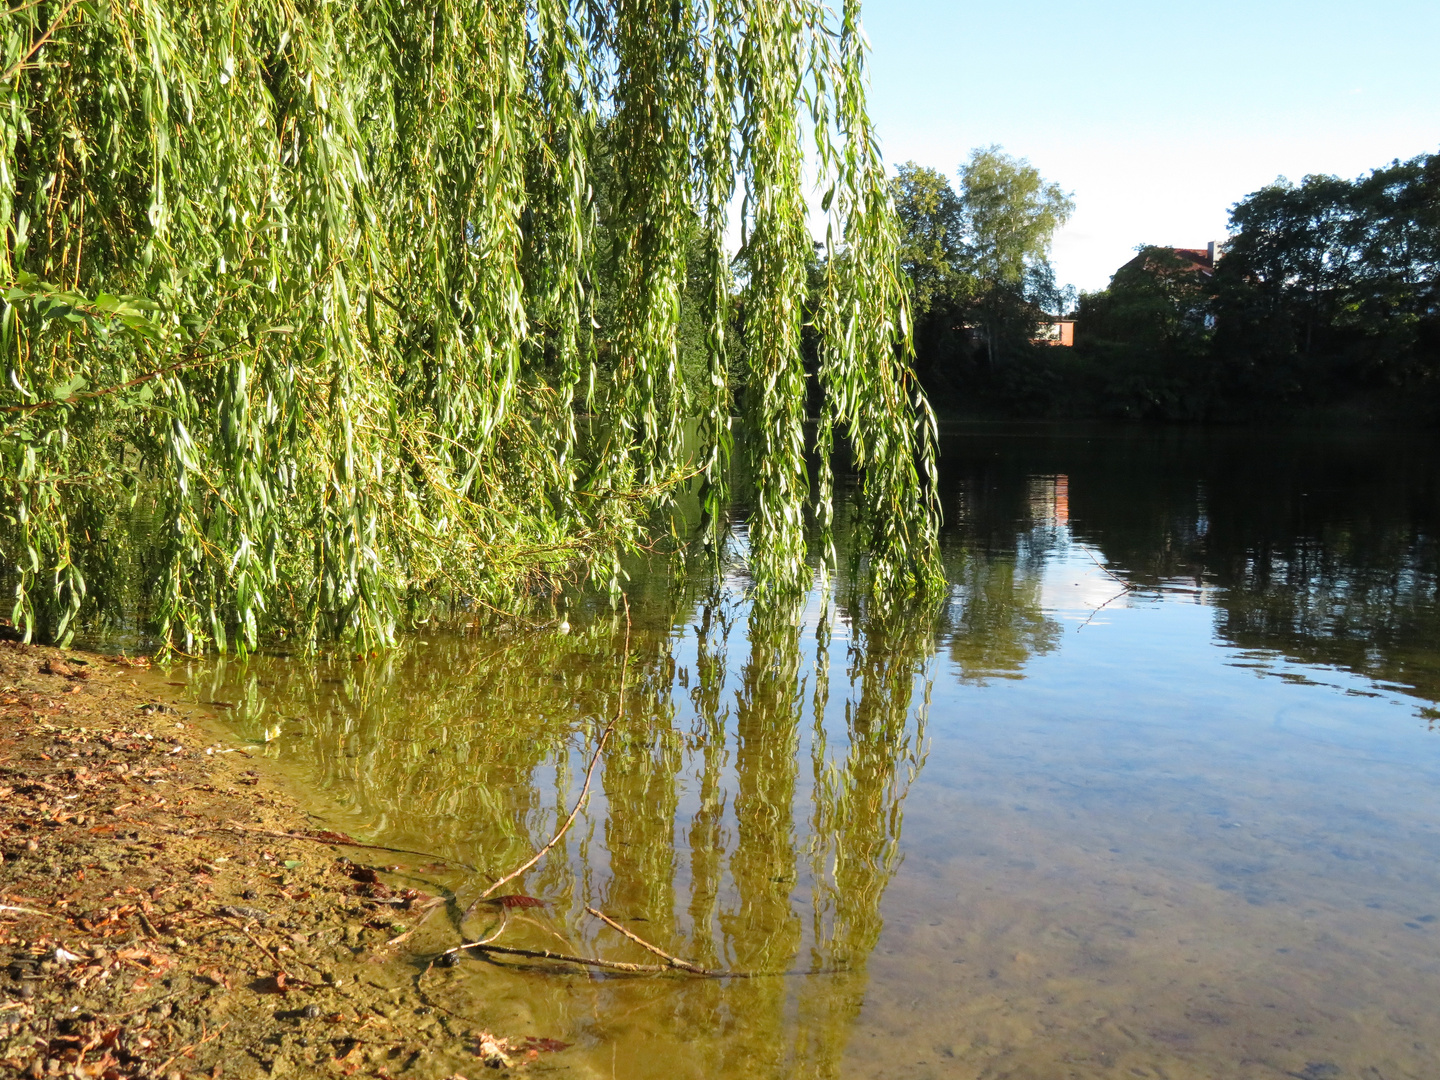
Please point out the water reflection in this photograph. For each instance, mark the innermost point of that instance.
(995, 615)
(1093, 791)
(747, 813)
(1321, 549)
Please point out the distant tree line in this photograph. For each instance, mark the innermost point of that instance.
(1326, 297)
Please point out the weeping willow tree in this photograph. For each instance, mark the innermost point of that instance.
(310, 289)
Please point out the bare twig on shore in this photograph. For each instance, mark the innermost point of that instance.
(145, 1007)
(279, 967)
(32, 911)
(674, 961)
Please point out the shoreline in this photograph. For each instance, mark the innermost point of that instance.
(168, 909)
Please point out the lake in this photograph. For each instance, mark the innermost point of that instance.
(1155, 792)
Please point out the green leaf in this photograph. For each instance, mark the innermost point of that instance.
(69, 388)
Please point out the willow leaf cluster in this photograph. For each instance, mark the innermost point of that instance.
(305, 295)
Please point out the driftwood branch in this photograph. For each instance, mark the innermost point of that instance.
(589, 773)
(586, 961)
(504, 920)
(1128, 586)
(639, 969)
(673, 961)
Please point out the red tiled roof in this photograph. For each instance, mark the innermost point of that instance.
(1199, 256)
(1193, 258)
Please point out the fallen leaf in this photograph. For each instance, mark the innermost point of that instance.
(492, 1051)
(517, 901)
(535, 1044)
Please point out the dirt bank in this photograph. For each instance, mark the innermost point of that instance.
(157, 921)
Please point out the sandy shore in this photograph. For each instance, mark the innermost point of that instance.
(167, 910)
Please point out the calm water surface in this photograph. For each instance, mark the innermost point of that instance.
(1157, 794)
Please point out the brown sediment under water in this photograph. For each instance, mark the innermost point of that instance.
(1155, 792)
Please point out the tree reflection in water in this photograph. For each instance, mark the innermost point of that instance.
(747, 812)
(747, 809)
(1321, 548)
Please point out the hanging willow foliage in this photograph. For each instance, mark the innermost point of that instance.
(305, 293)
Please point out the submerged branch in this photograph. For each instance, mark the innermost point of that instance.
(639, 969)
(674, 961)
(588, 961)
(589, 772)
(504, 921)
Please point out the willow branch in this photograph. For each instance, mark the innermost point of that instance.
(16, 67)
(191, 365)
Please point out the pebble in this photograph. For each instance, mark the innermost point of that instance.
(312, 1012)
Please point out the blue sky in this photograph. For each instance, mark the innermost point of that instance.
(1158, 116)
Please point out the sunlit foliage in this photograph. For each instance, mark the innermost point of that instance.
(979, 257)
(311, 291)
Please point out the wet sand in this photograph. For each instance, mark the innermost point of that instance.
(155, 920)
